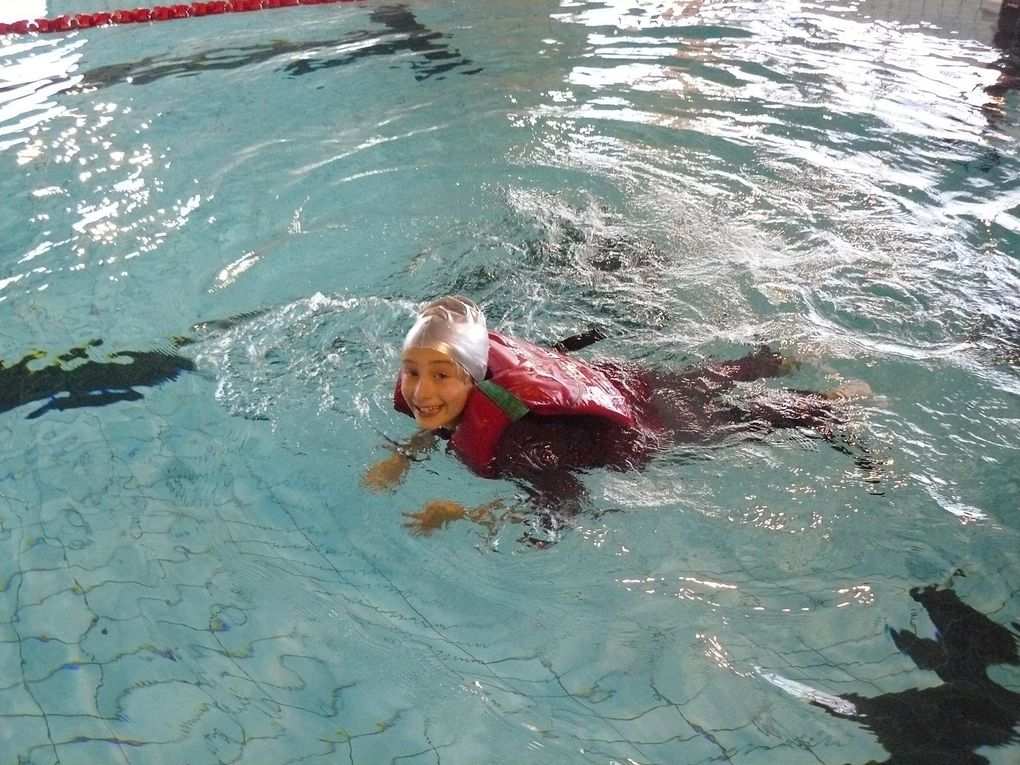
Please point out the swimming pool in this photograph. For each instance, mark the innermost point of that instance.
(253, 205)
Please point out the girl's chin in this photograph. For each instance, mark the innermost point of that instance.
(434, 422)
(429, 422)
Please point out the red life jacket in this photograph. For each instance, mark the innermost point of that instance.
(526, 378)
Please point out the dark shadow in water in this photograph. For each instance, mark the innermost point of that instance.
(403, 33)
(438, 57)
(1007, 39)
(945, 725)
(66, 384)
(75, 380)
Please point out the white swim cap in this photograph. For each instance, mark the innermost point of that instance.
(455, 326)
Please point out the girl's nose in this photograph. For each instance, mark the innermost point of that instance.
(424, 388)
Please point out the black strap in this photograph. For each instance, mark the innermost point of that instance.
(580, 340)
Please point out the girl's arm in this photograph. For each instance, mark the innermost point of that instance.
(388, 473)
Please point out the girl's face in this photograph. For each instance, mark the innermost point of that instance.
(435, 387)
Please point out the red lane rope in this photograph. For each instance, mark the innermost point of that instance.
(144, 15)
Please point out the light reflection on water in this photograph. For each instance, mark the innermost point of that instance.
(693, 177)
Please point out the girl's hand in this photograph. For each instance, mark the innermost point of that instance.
(437, 514)
(386, 474)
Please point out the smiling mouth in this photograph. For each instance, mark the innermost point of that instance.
(428, 411)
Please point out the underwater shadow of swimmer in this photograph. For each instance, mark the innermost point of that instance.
(432, 56)
(65, 384)
(945, 725)
(75, 381)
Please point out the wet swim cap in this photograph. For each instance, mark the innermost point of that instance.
(454, 326)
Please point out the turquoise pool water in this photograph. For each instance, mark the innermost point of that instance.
(254, 204)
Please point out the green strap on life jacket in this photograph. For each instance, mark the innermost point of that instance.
(511, 406)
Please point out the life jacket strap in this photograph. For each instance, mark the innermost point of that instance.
(508, 403)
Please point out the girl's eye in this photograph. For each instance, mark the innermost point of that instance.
(410, 373)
